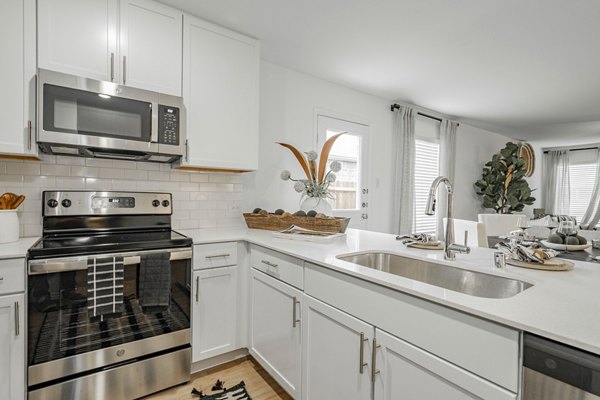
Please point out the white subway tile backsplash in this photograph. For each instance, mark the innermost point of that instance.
(86, 172)
(200, 199)
(55, 170)
(22, 169)
(135, 174)
(112, 173)
(199, 177)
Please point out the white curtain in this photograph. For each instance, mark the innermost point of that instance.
(447, 161)
(592, 215)
(556, 187)
(404, 181)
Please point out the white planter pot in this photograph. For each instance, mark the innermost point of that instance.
(319, 205)
(9, 226)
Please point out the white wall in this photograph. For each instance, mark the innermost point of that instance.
(289, 101)
(474, 147)
(288, 104)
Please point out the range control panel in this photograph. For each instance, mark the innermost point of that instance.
(168, 125)
(75, 202)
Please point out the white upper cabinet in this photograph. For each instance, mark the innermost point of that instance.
(150, 46)
(17, 77)
(78, 37)
(132, 42)
(221, 72)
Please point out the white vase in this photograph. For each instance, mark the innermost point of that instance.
(317, 204)
(9, 226)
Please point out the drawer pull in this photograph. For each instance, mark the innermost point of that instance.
(269, 264)
(295, 319)
(1, 278)
(197, 288)
(218, 256)
(374, 370)
(17, 327)
(362, 364)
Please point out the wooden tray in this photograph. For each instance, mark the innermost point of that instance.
(436, 246)
(272, 222)
(554, 264)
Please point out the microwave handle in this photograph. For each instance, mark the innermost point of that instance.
(37, 267)
(154, 125)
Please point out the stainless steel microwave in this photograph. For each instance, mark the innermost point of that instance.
(89, 118)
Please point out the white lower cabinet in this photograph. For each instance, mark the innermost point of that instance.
(12, 347)
(336, 354)
(404, 371)
(214, 305)
(275, 333)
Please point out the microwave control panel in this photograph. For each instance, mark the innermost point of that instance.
(168, 125)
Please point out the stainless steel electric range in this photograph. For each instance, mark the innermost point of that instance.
(108, 297)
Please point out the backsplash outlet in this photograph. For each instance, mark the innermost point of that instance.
(200, 200)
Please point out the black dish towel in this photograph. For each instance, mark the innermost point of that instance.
(154, 283)
(105, 285)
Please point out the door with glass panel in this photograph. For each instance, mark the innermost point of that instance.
(350, 189)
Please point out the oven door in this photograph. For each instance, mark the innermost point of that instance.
(68, 335)
(100, 116)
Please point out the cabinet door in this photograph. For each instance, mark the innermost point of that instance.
(17, 77)
(275, 336)
(214, 310)
(407, 372)
(336, 356)
(151, 46)
(12, 347)
(78, 37)
(221, 83)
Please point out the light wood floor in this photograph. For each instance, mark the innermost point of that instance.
(259, 384)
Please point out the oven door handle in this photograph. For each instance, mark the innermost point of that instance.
(37, 267)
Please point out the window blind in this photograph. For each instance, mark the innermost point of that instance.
(582, 179)
(427, 167)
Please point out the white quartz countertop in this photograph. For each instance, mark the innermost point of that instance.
(564, 306)
(17, 249)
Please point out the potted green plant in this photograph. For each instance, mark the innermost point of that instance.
(502, 186)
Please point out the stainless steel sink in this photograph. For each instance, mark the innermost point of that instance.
(452, 278)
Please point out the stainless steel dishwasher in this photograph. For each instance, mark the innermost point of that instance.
(554, 371)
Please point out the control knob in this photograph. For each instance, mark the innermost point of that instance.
(166, 203)
(52, 203)
(155, 203)
(66, 203)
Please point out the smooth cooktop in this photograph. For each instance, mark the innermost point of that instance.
(62, 245)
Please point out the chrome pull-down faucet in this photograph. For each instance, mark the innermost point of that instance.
(450, 248)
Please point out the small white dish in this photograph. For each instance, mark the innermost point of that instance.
(565, 247)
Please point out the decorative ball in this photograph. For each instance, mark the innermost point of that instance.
(311, 213)
(335, 166)
(256, 210)
(300, 213)
(554, 238)
(299, 186)
(572, 241)
(320, 215)
(312, 155)
(285, 175)
(286, 214)
(279, 211)
(263, 212)
(581, 239)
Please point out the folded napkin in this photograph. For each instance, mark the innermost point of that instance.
(527, 253)
(420, 238)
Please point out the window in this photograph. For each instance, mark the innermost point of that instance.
(582, 177)
(345, 189)
(427, 167)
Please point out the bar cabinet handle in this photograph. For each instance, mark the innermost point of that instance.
(17, 327)
(362, 364)
(197, 288)
(295, 319)
(112, 67)
(374, 370)
(218, 256)
(124, 69)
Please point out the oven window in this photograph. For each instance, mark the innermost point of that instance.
(60, 323)
(87, 113)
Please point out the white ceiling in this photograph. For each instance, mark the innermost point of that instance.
(528, 68)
